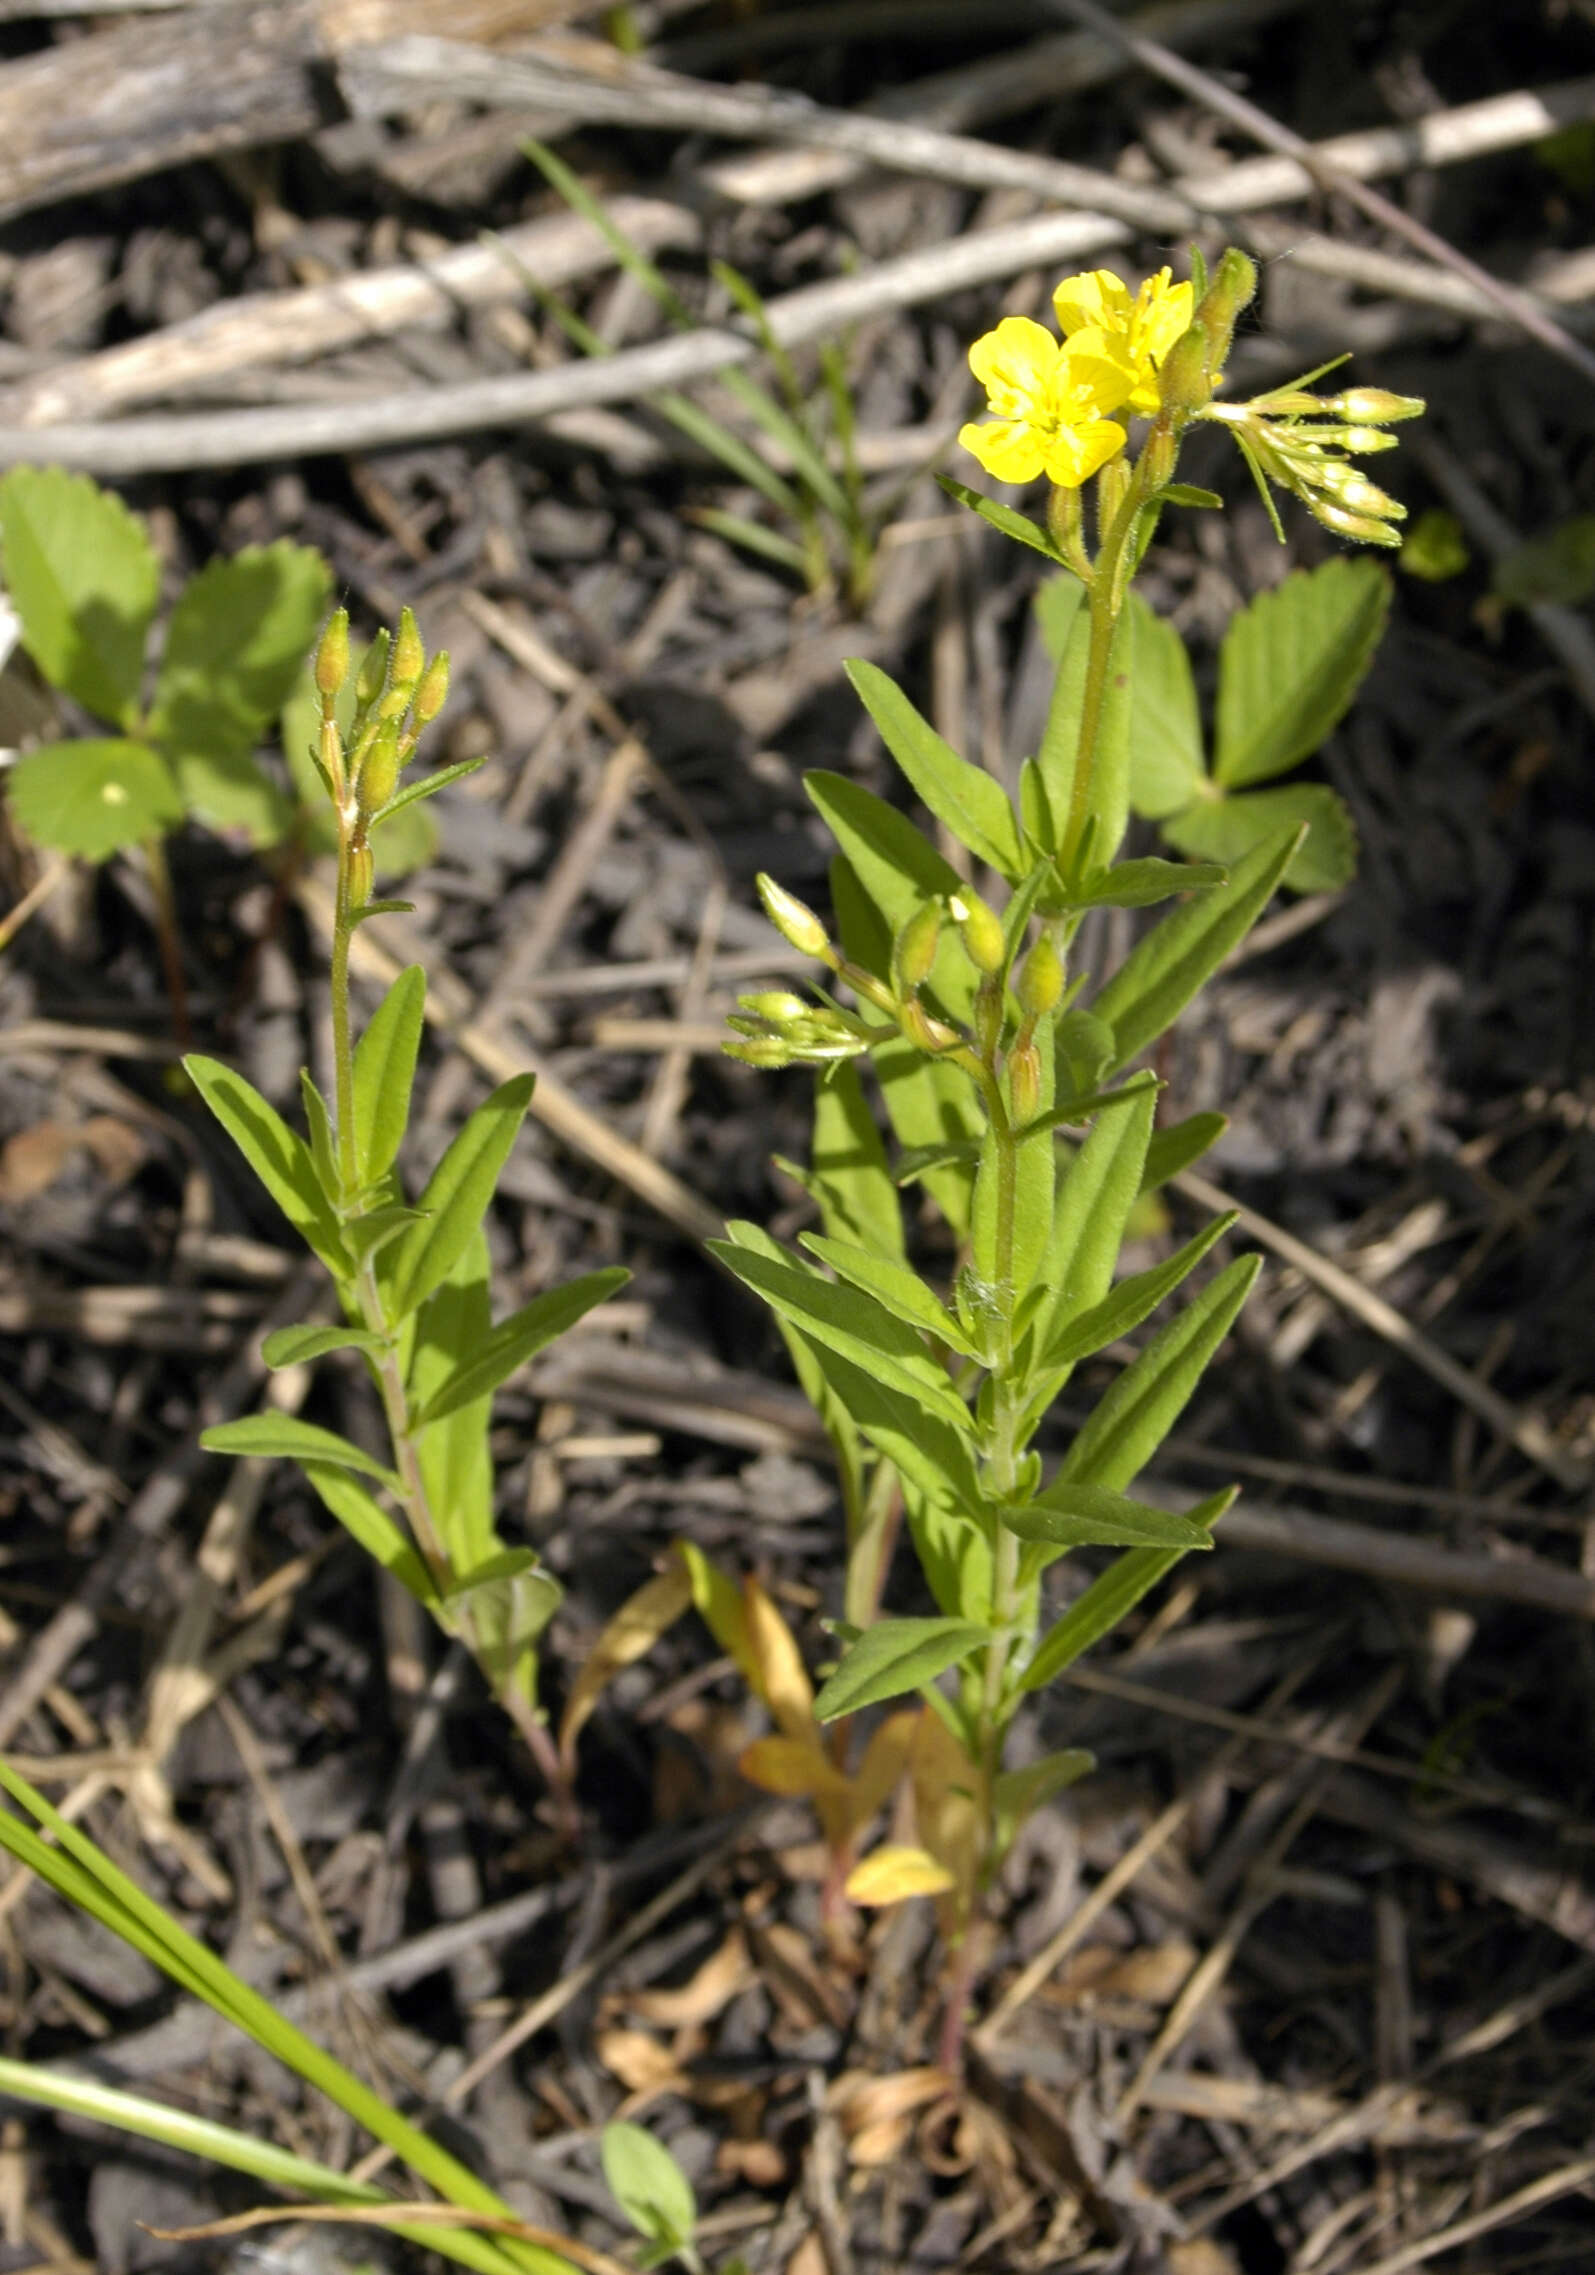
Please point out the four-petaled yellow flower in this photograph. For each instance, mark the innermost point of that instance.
(1050, 399)
(1144, 328)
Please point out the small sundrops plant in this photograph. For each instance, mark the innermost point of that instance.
(1010, 1071)
(411, 1277)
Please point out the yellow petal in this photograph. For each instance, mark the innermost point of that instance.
(1007, 448)
(1097, 297)
(1015, 363)
(1095, 376)
(889, 1875)
(1163, 312)
(1075, 453)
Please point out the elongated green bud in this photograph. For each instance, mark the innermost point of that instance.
(1360, 526)
(1375, 406)
(914, 951)
(777, 1004)
(409, 656)
(373, 672)
(797, 924)
(332, 656)
(1024, 1081)
(1232, 289)
(433, 691)
(379, 773)
(1185, 382)
(979, 930)
(1040, 982)
(361, 874)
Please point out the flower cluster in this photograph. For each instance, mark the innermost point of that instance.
(1053, 399)
(1301, 441)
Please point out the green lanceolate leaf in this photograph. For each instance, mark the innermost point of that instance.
(1058, 603)
(1110, 1598)
(1131, 1422)
(1166, 767)
(894, 1657)
(297, 1346)
(899, 870)
(1088, 1516)
(282, 1437)
(94, 798)
(900, 1289)
(1183, 951)
(423, 786)
(1097, 1189)
(323, 1146)
(1291, 663)
(368, 1235)
(648, 2185)
(519, 1338)
(973, 806)
(384, 1070)
(1227, 828)
(932, 1454)
(1002, 517)
(1142, 884)
(457, 1194)
(850, 1176)
(1175, 1148)
(845, 1320)
(85, 580)
(279, 1158)
(1018, 1793)
(371, 1527)
(1131, 1301)
(456, 1462)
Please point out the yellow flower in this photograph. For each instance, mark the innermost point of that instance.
(1049, 397)
(1144, 328)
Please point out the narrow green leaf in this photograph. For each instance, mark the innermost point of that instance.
(917, 1161)
(1131, 1422)
(753, 537)
(283, 1437)
(85, 580)
(458, 1193)
(1141, 884)
(894, 1657)
(1018, 1793)
(1166, 765)
(456, 1461)
(1133, 1300)
(297, 1346)
(519, 1338)
(1175, 1148)
(374, 1529)
(1186, 493)
(93, 798)
(1291, 663)
(1227, 828)
(1001, 517)
(1087, 1516)
(1097, 1188)
(368, 1235)
(648, 2185)
(1181, 953)
(323, 1146)
(279, 1158)
(973, 806)
(899, 869)
(1057, 604)
(235, 646)
(846, 1321)
(851, 1177)
(424, 786)
(895, 1285)
(932, 1455)
(1111, 1597)
(384, 1071)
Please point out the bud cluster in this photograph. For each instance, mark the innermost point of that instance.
(398, 691)
(1302, 442)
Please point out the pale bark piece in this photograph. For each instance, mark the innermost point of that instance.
(156, 91)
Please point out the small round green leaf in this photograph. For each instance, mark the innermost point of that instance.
(94, 798)
(648, 2184)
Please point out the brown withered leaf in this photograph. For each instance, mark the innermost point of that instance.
(717, 1982)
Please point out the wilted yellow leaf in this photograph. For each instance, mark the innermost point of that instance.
(888, 1875)
(789, 1766)
(635, 1628)
(779, 1674)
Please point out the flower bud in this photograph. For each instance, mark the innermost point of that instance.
(1232, 289)
(379, 770)
(1376, 405)
(798, 926)
(1040, 981)
(373, 672)
(332, 755)
(409, 656)
(332, 656)
(979, 931)
(1351, 488)
(1185, 382)
(914, 950)
(433, 691)
(1359, 526)
(361, 872)
(1024, 1081)
(918, 1025)
(777, 1004)
(764, 1051)
(1162, 456)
